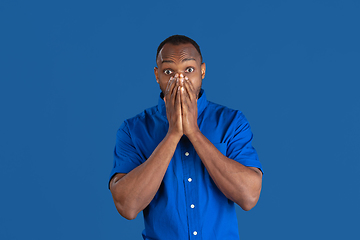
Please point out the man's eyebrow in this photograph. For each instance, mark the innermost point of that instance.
(168, 61)
(188, 59)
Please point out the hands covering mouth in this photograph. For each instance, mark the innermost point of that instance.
(181, 106)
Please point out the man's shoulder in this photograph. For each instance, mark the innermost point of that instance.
(151, 112)
(223, 110)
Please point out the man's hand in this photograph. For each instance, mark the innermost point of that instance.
(173, 106)
(188, 106)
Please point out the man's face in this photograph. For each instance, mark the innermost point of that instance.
(183, 58)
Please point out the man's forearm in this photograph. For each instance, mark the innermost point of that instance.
(134, 191)
(239, 183)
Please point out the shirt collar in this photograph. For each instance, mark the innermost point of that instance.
(201, 103)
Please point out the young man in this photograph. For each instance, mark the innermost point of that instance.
(186, 161)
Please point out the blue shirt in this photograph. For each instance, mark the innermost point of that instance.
(188, 204)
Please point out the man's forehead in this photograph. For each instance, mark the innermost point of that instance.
(178, 52)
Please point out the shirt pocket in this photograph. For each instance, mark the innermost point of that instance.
(221, 147)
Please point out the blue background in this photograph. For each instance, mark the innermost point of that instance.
(72, 71)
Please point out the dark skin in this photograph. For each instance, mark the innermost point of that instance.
(179, 75)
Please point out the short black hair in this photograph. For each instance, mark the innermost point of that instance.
(177, 40)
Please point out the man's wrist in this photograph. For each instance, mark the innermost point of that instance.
(195, 135)
(173, 136)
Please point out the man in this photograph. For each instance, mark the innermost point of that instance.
(186, 161)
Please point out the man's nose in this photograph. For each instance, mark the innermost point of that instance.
(180, 73)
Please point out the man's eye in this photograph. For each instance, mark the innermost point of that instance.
(168, 72)
(190, 69)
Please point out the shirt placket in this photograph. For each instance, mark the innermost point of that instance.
(189, 179)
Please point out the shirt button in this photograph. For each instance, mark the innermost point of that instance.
(195, 233)
(192, 205)
(189, 179)
(187, 154)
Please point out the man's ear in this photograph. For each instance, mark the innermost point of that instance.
(203, 70)
(156, 74)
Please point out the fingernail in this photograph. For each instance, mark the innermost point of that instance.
(186, 78)
(181, 75)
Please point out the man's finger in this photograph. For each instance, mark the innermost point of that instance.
(178, 100)
(184, 99)
(174, 92)
(168, 85)
(189, 90)
(169, 88)
(190, 84)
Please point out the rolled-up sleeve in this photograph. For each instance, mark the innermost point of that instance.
(240, 147)
(126, 157)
